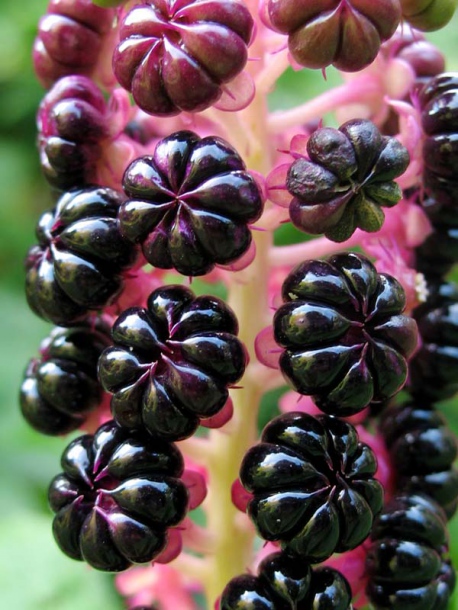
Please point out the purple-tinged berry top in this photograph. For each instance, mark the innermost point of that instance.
(78, 263)
(172, 362)
(176, 55)
(190, 204)
(286, 583)
(346, 180)
(69, 39)
(346, 342)
(346, 34)
(312, 484)
(118, 494)
(61, 387)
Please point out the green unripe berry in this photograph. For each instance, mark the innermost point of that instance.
(428, 15)
(108, 3)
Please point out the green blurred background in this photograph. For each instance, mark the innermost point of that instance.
(34, 575)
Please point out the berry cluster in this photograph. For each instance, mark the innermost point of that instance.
(157, 135)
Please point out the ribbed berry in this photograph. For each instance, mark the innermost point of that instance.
(406, 562)
(284, 583)
(434, 368)
(312, 484)
(346, 342)
(78, 263)
(346, 34)
(439, 104)
(172, 362)
(176, 55)
(190, 203)
(71, 123)
(422, 450)
(428, 15)
(61, 387)
(436, 256)
(346, 180)
(70, 38)
(118, 494)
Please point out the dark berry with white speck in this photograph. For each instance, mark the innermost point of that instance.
(345, 338)
(78, 263)
(346, 180)
(118, 494)
(313, 486)
(285, 583)
(190, 204)
(422, 450)
(172, 362)
(177, 56)
(407, 561)
(61, 388)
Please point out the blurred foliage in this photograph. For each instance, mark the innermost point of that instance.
(34, 575)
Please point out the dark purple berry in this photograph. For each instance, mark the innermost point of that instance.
(422, 450)
(190, 203)
(71, 123)
(346, 342)
(347, 178)
(172, 362)
(176, 55)
(118, 494)
(436, 256)
(406, 562)
(286, 583)
(434, 368)
(312, 484)
(70, 39)
(61, 388)
(78, 263)
(346, 34)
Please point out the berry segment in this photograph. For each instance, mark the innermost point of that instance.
(61, 388)
(172, 362)
(177, 55)
(190, 203)
(346, 342)
(347, 179)
(118, 494)
(284, 583)
(313, 486)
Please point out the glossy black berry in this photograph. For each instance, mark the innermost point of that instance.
(190, 204)
(434, 368)
(422, 449)
(346, 342)
(286, 583)
(118, 494)
(172, 362)
(61, 387)
(78, 263)
(312, 484)
(71, 123)
(406, 562)
(346, 180)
